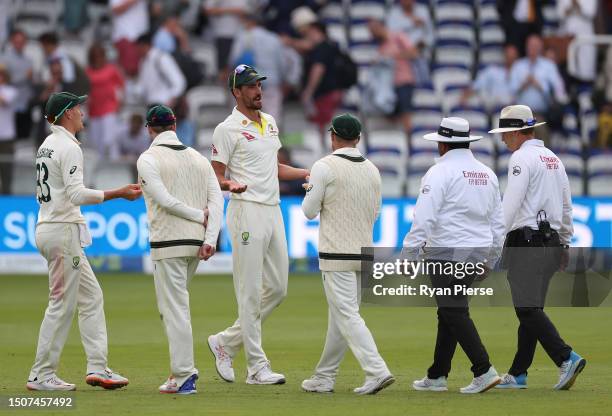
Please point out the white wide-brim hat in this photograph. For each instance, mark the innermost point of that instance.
(516, 117)
(302, 16)
(452, 130)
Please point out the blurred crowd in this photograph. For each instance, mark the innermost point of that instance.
(150, 55)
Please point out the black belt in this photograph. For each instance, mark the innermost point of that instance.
(525, 236)
(175, 243)
(346, 256)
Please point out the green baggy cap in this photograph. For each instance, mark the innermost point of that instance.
(59, 102)
(346, 126)
(160, 115)
(244, 75)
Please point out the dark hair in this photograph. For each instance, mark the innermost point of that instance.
(320, 26)
(161, 129)
(459, 145)
(49, 38)
(17, 31)
(145, 38)
(96, 47)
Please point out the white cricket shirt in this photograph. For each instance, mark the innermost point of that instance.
(458, 206)
(59, 179)
(537, 181)
(249, 151)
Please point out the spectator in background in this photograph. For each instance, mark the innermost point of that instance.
(160, 9)
(224, 19)
(492, 84)
(414, 20)
(160, 80)
(289, 187)
(49, 42)
(519, 19)
(20, 70)
(8, 96)
(75, 15)
(577, 17)
(397, 47)
(171, 36)
(320, 96)
(262, 49)
(104, 102)
(130, 20)
(536, 81)
(185, 128)
(133, 138)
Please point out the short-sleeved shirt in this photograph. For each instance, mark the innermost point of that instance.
(250, 152)
(324, 53)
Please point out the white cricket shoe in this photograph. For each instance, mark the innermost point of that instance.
(106, 379)
(171, 386)
(482, 383)
(266, 376)
(223, 361)
(51, 384)
(375, 385)
(430, 384)
(317, 384)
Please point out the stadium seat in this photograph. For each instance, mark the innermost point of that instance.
(332, 12)
(476, 116)
(367, 9)
(452, 96)
(455, 11)
(491, 33)
(202, 99)
(426, 119)
(392, 172)
(551, 19)
(204, 52)
(387, 141)
(454, 52)
(34, 23)
(490, 54)
(336, 32)
(205, 141)
(589, 125)
(413, 183)
(443, 75)
(24, 180)
(487, 12)
(456, 31)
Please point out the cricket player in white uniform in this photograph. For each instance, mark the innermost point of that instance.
(538, 219)
(458, 218)
(246, 145)
(344, 188)
(61, 235)
(185, 210)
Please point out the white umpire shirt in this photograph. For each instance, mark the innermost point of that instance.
(537, 181)
(459, 206)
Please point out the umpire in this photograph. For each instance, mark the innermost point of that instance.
(538, 216)
(458, 218)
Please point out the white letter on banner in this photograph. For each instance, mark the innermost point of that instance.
(388, 227)
(603, 212)
(32, 218)
(132, 231)
(143, 233)
(96, 224)
(13, 224)
(583, 235)
(300, 233)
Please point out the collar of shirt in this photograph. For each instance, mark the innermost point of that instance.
(454, 154)
(349, 151)
(244, 121)
(533, 142)
(61, 130)
(166, 137)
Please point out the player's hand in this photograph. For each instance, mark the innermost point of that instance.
(206, 212)
(131, 191)
(236, 188)
(206, 252)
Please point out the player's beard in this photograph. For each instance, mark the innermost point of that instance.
(255, 103)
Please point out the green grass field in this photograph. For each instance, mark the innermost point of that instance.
(293, 340)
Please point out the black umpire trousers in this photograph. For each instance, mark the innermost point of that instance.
(531, 265)
(455, 326)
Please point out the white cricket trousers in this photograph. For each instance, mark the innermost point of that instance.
(261, 269)
(346, 328)
(72, 285)
(172, 277)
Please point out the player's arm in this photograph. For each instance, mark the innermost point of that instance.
(320, 178)
(426, 212)
(214, 204)
(516, 190)
(71, 166)
(154, 186)
(567, 225)
(224, 183)
(222, 149)
(498, 227)
(289, 173)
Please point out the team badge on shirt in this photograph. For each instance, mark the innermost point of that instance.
(215, 152)
(516, 170)
(72, 169)
(248, 136)
(76, 260)
(245, 238)
(426, 189)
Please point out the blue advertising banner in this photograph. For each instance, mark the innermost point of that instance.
(119, 228)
